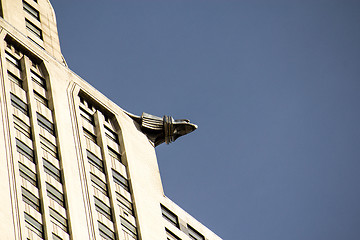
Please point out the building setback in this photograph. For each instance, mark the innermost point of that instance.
(74, 165)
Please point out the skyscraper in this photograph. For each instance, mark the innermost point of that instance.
(74, 165)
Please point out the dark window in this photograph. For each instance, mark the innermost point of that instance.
(27, 174)
(38, 79)
(95, 161)
(48, 146)
(119, 179)
(111, 134)
(99, 184)
(24, 150)
(32, 11)
(30, 199)
(102, 208)
(89, 135)
(170, 235)
(19, 104)
(56, 237)
(45, 123)
(128, 226)
(15, 79)
(55, 194)
(34, 225)
(22, 127)
(12, 59)
(105, 232)
(114, 154)
(34, 29)
(59, 219)
(170, 216)
(195, 235)
(87, 116)
(41, 99)
(125, 204)
(52, 170)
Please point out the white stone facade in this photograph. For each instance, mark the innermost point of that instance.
(74, 164)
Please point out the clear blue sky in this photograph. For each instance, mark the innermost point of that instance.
(275, 90)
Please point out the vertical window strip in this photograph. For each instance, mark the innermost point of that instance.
(89, 135)
(56, 237)
(34, 29)
(31, 10)
(170, 235)
(48, 146)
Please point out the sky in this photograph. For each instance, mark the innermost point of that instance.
(273, 86)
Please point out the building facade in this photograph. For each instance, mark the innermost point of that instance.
(74, 165)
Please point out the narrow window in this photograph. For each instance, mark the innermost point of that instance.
(41, 99)
(89, 135)
(24, 150)
(59, 219)
(27, 174)
(95, 161)
(105, 232)
(55, 194)
(52, 170)
(125, 204)
(12, 59)
(114, 155)
(87, 116)
(30, 199)
(38, 79)
(34, 225)
(128, 226)
(32, 11)
(15, 79)
(102, 208)
(99, 184)
(22, 127)
(119, 179)
(111, 134)
(170, 235)
(45, 123)
(19, 104)
(195, 235)
(48, 146)
(56, 237)
(170, 216)
(34, 29)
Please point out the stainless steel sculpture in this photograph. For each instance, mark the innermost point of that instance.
(163, 129)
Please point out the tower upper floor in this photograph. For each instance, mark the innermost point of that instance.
(36, 20)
